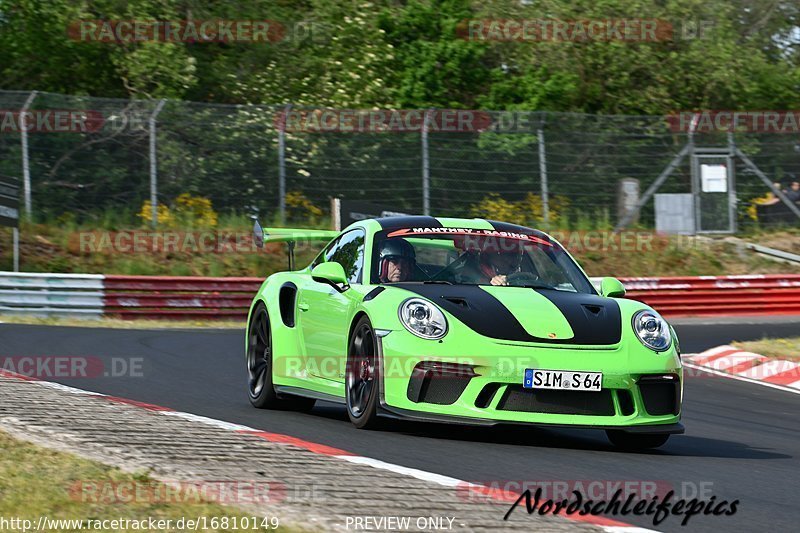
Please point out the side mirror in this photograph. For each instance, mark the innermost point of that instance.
(612, 288)
(331, 273)
(258, 234)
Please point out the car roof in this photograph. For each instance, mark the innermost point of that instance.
(417, 221)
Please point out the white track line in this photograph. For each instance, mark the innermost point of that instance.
(626, 529)
(65, 388)
(404, 470)
(213, 422)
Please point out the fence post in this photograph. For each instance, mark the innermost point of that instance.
(282, 164)
(426, 169)
(543, 175)
(153, 165)
(733, 199)
(26, 164)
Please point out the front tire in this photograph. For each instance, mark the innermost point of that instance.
(361, 377)
(636, 441)
(259, 367)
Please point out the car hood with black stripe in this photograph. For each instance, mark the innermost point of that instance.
(526, 314)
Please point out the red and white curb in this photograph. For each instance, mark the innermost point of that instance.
(732, 362)
(607, 524)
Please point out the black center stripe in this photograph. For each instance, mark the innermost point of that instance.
(393, 223)
(594, 320)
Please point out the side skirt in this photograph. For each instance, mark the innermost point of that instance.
(286, 390)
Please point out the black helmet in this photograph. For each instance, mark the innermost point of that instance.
(394, 249)
(397, 248)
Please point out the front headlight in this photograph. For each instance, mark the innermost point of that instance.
(423, 319)
(652, 330)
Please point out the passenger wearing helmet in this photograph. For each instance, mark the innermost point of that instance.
(497, 265)
(490, 264)
(396, 260)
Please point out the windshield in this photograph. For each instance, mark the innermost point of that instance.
(475, 257)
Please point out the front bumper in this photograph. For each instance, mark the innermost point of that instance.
(642, 391)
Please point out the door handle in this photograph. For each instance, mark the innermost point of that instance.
(302, 306)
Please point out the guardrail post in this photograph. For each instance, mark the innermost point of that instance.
(153, 165)
(26, 164)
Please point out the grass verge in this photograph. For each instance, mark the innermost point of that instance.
(37, 482)
(786, 349)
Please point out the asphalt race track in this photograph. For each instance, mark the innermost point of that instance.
(742, 439)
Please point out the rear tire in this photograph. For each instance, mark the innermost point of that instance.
(636, 441)
(259, 367)
(361, 384)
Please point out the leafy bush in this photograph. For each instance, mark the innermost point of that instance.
(187, 211)
(527, 212)
(299, 207)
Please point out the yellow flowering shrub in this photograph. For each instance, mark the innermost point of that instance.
(163, 214)
(299, 206)
(187, 210)
(527, 211)
(196, 210)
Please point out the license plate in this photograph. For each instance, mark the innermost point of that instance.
(562, 380)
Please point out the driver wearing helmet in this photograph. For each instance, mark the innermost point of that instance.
(396, 260)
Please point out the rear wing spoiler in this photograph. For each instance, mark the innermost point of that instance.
(290, 236)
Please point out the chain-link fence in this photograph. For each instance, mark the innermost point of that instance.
(87, 156)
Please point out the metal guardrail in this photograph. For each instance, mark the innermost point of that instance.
(178, 297)
(709, 296)
(51, 294)
(165, 297)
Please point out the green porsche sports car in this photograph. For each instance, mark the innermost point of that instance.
(465, 321)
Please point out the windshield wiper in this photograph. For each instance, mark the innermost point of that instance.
(437, 282)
